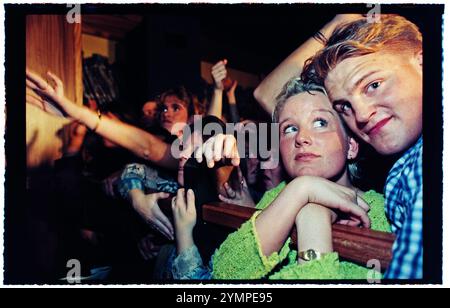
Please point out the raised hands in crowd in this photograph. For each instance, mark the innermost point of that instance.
(51, 98)
(222, 82)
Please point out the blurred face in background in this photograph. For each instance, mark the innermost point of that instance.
(173, 110)
(149, 113)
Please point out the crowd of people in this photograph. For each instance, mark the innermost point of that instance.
(354, 83)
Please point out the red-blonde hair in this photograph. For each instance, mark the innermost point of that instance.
(358, 38)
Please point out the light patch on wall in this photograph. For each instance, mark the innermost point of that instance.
(94, 44)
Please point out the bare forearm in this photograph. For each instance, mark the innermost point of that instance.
(136, 140)
(136, 196)
(184, 241)
(231, 97)
(274, 224)
(314, 228)
(292, 66)
(234, 114)
(215, 108)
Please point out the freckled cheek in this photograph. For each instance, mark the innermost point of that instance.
(332, 147)
(285, 147)
(336, 159)
(286, 154)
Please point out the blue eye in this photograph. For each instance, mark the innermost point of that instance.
(317, 123)
(373, 86)
(289, 129)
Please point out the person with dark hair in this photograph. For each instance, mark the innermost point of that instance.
(149, 114)
(145, 145)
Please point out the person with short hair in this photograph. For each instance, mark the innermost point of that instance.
(372, 72)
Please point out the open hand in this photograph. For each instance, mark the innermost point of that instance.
(146, 205)
(333, 196)
(45, 96)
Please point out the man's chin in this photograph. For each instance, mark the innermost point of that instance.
(390, 147)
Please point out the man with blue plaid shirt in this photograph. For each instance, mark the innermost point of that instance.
(403, 193)
(373, 75)
(372, 71)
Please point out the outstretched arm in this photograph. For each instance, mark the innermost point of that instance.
(219, 73)
(138, 141)
(292, 66)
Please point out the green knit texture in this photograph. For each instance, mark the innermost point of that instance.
(270, 195)
(377, 214)
(241, 257)
(328, 267)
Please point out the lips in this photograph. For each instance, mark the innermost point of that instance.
(306, 156)
(377, 127)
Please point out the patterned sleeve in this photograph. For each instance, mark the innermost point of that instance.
(139, 176)
(241, 257)
(189, 265)
(407, 256)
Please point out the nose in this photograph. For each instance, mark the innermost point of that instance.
(303, 138)
(363, 110)
(167, 113)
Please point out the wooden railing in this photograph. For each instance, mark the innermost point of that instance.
(355, 244)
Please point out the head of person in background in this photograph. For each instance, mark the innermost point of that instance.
(199, 105)
(175, 106)
(149, 114)
(259, 178)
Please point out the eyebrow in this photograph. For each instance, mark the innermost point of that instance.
(284, 121)
(324, 110)
(360, 80)
(316, 110)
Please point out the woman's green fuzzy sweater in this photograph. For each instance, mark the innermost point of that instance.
(240, 255)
